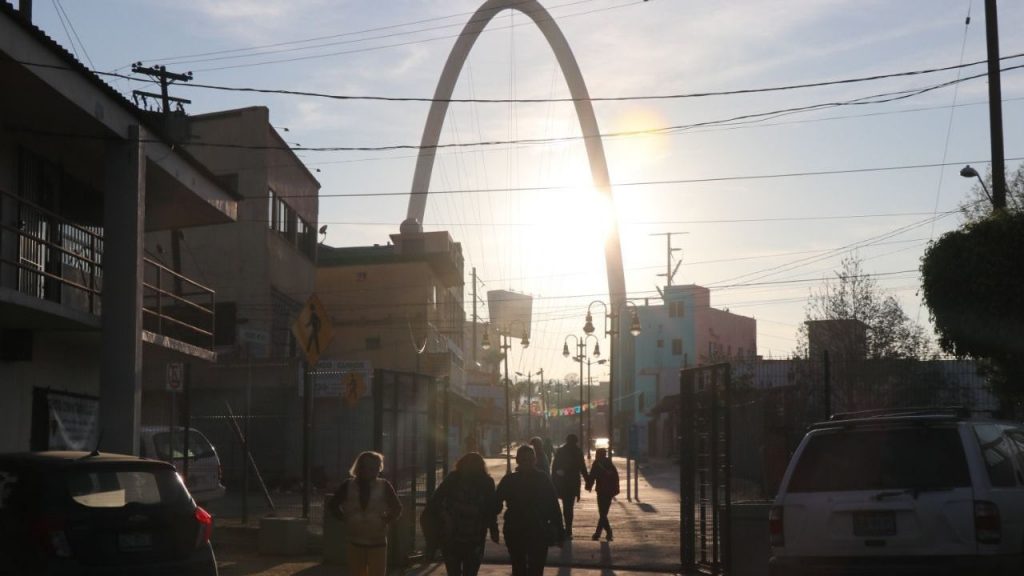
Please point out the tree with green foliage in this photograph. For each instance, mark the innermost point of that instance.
(856, 295)
(973, 285)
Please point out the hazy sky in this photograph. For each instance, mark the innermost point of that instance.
(531, 222)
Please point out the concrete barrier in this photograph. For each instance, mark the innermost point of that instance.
(283, 536)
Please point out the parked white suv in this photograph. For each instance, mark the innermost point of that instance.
(923, 492)
(204, 468)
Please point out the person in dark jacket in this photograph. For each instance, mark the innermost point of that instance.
(532, 522)
(543, 460)
(604, 474)
(459, 515)
(566, 472)
(367, 503)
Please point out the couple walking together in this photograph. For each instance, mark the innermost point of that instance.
(464, 509)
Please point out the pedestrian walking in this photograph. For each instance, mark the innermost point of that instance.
(531, 522)
(367, 504)
(459, 515)
(543, 460)
(604, 474)
(566, 473)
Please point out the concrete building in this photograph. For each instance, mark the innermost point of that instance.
(262, 268)
(84, 174)
(682, 332)
(400, 306)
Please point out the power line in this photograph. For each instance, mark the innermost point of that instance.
(237, 53)
(644, 223)
(401, 44)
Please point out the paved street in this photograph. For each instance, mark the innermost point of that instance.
(646, 537)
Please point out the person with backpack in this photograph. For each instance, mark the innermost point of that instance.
(604, 474)
(367, 504)
(532, 520)
(566, 472)
(459, 515)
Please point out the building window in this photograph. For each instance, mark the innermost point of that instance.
(677, 346)
(373, 343)
(661, 343)
(676, 309)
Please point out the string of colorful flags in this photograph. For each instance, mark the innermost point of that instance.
(572, 410)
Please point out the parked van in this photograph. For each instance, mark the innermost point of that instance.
(204, 468)
(918, 492)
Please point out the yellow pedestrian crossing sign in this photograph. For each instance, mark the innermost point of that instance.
(313, 329)
(353, 387)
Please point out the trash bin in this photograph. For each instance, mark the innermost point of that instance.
(748, 528)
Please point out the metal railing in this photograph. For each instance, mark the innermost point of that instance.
(177, 307)
(52, 258)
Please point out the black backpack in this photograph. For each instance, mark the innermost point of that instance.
(462, 516)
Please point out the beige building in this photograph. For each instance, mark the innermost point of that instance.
(262, 268)
(400, 306)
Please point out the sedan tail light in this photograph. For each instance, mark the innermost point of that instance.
(49, 533)
(987, 525)
(205, 529)
(776, 531)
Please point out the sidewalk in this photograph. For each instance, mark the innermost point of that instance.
(646, 537)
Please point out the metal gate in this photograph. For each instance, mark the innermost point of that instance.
(704, 469)
(406, 432)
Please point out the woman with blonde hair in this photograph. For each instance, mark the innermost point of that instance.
(367, 504)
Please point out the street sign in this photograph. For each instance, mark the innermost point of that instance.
(331, 377)
(175, 376)
(313, 330)
(353, 388)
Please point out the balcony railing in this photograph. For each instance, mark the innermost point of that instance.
(48, 257)
(177, 307)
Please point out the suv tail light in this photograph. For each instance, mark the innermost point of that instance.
(987, 525)
(49, 533)
(205, 530)
(776, 533)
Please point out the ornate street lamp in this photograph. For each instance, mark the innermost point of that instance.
(611, 328)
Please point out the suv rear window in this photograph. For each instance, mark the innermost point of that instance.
(198, 445)
(920, 458)
(119, 488)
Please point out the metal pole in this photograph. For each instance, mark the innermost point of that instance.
(307, 436)
(529, 404)
(828, 385)
(245, 425)
(611, 386)
(629, 483)
(582, 348)
(995, 106)
(508, 408)
(186, 411)
(590, 429)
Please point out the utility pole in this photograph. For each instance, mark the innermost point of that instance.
(473, 366)
(165, 78)
(995, 106)
(670, 272)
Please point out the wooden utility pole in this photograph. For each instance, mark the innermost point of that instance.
(995, 106)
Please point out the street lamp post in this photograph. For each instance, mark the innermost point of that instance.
(504, 343)
(581, 354)
(611, 328)
(590, 408)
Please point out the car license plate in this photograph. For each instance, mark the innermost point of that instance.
(130, 541)
(870, 524)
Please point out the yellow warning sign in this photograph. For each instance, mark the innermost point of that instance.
(353, 387)
(313, 329)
